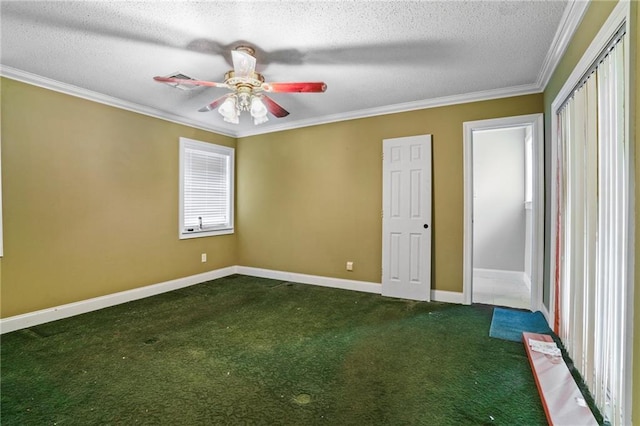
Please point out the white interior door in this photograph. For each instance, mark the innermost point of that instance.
(406, 217)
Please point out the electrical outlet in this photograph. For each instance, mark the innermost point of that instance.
(349, 266)
(203, 257)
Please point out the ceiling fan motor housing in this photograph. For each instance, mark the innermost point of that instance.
(254, 81)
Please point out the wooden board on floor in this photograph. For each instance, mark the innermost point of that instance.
(562, 400)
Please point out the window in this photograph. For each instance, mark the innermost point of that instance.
(206, 189)
(593, 218)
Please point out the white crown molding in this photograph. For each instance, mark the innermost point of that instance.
(72, 90)
(485, 95)
(69, 89)
(571, 18)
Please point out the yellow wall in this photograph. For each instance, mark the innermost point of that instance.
(310, 199)
(595, 17)
(91, 197)
(91, 201)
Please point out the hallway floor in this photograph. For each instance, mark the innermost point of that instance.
(501, 292)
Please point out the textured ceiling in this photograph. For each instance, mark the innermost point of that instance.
(375, 57)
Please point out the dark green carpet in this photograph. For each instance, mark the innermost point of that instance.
(245, 351)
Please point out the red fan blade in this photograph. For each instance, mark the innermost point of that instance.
(295, 87)
(274, 108)
(187, 81)
(213, 105)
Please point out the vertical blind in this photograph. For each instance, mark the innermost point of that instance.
(206, 190)
(592, 230)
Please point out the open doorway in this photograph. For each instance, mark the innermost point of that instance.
(501, 201)
(503, 212)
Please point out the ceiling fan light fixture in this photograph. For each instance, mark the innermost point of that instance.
(260, 120)
(258, 110)
(244, 100)
(229, 111)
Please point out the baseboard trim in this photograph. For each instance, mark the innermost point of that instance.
(364, 286)
(527, 280)
(42, 316)
(499, 274)
(447, 296)
(545, 313)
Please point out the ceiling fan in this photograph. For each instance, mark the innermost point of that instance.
(247, 89)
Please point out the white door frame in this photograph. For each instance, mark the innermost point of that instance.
(537, 202)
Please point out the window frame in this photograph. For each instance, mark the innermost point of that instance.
(229, 152)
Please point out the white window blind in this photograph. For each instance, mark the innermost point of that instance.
(593, 216)
(206, 189)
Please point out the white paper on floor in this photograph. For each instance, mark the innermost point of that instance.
(547, 348)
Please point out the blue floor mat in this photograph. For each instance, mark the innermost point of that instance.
(508, 324)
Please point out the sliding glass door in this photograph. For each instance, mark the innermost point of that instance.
(593, 232)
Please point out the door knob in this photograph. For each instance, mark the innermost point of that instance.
(425, 226)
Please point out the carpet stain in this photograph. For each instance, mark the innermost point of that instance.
(42, 331)
(302, 399)
(29, 332)
(282, 284)
(197, 353)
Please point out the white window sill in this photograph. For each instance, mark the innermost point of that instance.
(198, 234)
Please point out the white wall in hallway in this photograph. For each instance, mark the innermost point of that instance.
(499, 199)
